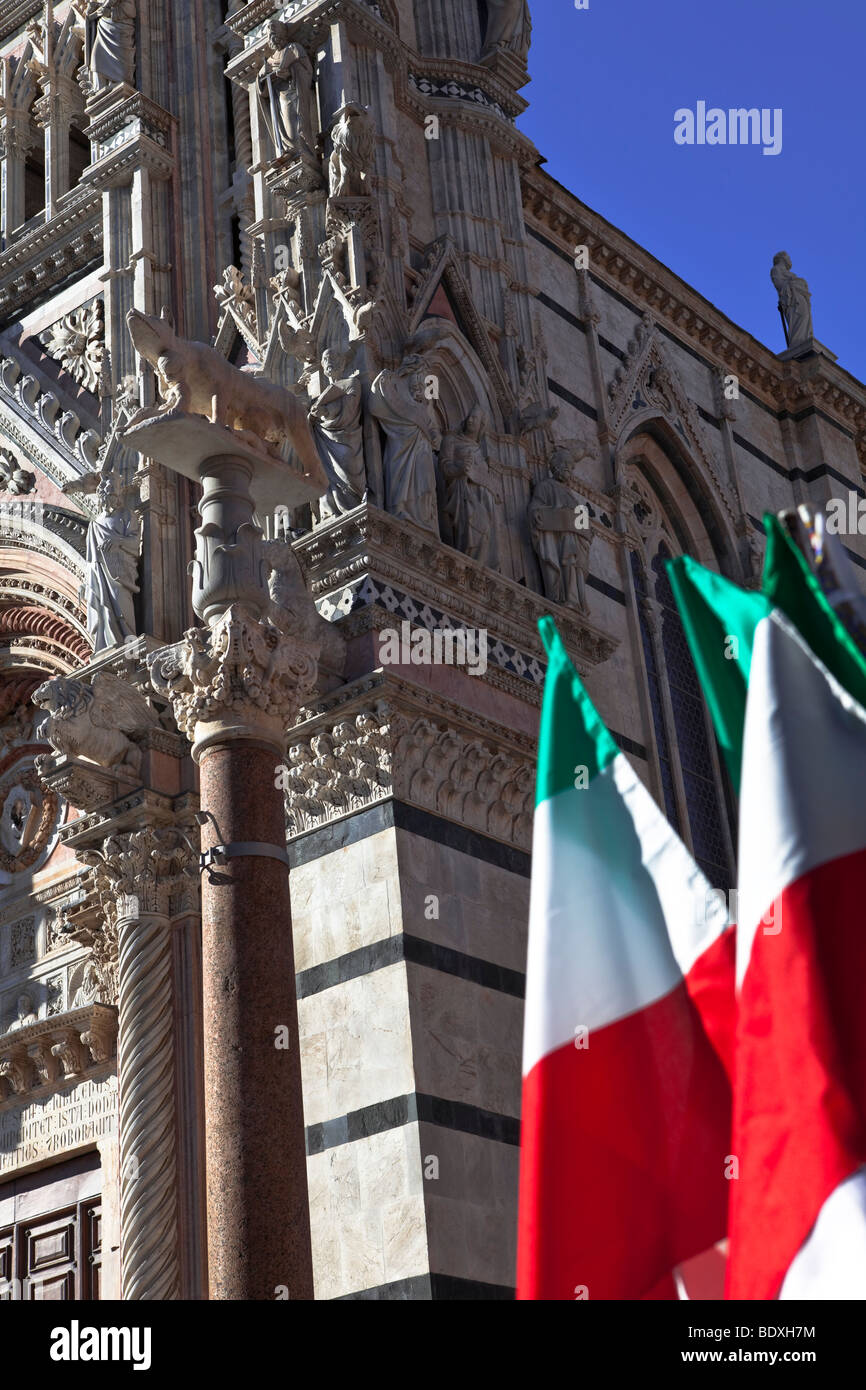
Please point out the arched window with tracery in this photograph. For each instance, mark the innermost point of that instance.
(694, 795)
(701, 775)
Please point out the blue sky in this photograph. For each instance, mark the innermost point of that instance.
(606, 83)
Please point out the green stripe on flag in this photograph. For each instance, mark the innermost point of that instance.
(719, 619)
(790, 584)
(572, 734)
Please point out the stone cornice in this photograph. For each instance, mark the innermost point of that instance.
(620, 262)
(44, 896)
(14, 14)
(52, 251)
(130, 811)
(319, 12)
(369, 541)
(41, 1056)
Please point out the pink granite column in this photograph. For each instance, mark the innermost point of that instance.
(258, 1218)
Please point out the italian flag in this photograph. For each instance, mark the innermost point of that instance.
(626, 1101)
(795, 739)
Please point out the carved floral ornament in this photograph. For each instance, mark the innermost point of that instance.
(77, 342)
(14, 477)
(141, 870)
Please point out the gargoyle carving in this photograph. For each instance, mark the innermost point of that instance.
(93, 721)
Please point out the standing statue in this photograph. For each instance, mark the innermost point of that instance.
(335, 416)
(113, 549)
(285, 88)
(508, 27)
(398, 401)
(111, 42)
(469, 505)
(795, 300)
(351, 159)
(561, 543)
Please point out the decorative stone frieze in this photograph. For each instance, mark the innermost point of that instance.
(391, 741)
(52, 251)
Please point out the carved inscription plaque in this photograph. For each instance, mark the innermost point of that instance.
(62, 1121)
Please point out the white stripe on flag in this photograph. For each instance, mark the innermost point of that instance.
(830, 1264)
(793, 695)
(618, 910)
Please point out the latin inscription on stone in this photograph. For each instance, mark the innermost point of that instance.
(61, 1121)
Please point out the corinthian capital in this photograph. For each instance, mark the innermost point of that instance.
(241, 678)
(147, 866)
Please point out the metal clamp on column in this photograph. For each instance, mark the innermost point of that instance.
(218, 854)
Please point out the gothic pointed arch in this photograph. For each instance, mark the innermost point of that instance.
(443, 292)
(650, 401)
(462, 377)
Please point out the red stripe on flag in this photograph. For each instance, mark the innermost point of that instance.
(800, 1111)
(712, 984)
(623, 1152)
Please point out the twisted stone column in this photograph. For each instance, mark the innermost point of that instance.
(135, 875)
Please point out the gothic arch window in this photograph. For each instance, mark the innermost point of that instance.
(655, 676)
(34, 181)
(693, 791)
(698, 769)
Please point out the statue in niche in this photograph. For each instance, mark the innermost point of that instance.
(352, 156)
(398, 401)
(113, 549)
(110, 42)
(795, 300)
(26, 1014)
(335, 416)
(469, 504)
(90, 988)
(561, 534)
(509, 26)
(285, 88)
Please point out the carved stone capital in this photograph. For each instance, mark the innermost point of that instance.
(240, 679)
(17, 134)
(138, 872)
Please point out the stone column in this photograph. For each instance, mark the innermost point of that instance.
(54, 112)
(16, 141)
(135, 875)
(236, 686)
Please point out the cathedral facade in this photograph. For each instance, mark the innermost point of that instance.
(316, 393)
